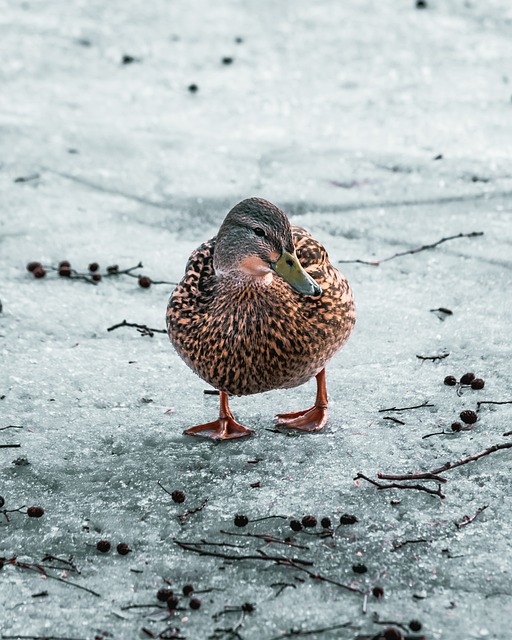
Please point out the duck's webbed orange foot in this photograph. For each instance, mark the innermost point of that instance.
(221, 429)
(225, 428)
(311, 420)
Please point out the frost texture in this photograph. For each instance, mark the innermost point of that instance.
(334, 111)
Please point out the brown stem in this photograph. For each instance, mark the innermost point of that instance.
(433, 358)
(143, 329)
(376, 263)
(417, 487)
(476, 456)
(417, 406)
(467, 519)
(411, 476)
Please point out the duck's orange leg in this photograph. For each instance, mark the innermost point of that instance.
(225, 428)
(313, 419)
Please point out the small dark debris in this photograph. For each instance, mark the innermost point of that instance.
(227, 60)
(29, 178)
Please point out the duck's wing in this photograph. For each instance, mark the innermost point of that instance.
(199, 268)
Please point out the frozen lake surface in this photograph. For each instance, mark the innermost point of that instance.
(379, 127)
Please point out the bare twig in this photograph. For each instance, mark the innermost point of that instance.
(266, 538)
(417, 487)
(398, 545)
(444, 310)
(10, 446)
(433, 358)
(479, 404)
(468, 519)
(11, 426)
(412, 476)
(183, 517)
(297, 633)
(417, 406)
(40, 570)
(509, 433)
(474, 457)
(143, 329)
(376, 263)
(394, 419)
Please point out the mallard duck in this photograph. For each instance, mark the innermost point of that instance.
(260, 307)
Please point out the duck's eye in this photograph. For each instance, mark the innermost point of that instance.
(259, 232)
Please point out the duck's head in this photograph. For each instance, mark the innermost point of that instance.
(256, 239)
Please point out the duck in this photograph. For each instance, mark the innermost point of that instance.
(260, 307)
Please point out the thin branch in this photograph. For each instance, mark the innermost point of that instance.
(11, 426)
(412, 476)
(398, 545)
(479, 404)
(297, 633)
(417, 487)
(467, 519)
(376, 263)
(433, 358)
(417, 406)
(266, 538)
(10, 446)
(143, 329)
(226, 556)
(394, 419)
(183, 517)
(40, 570)
(474, 457)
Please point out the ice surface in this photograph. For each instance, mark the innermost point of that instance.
(334, 111)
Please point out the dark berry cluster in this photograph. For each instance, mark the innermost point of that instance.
(92, 275)
(172, 601)
(467, 380)
(104, 546)
(309, 522)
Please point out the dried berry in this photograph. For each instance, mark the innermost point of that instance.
(64, 263)
(178, 496)
(326, 523)
(227, 60)
(2, 501)
(31, 266)
(309, 522)
(467, 378)
(478, 383)
(378, 592)
(248, 607)
(123, 549)
(241, 520)
(35, 512)
(65, 272)
(94, 266)
(295, 525)
(144, 282)
(39, 272)
(468, 416)
(103, 546)
(456, 426)
(193, 88)
(450, 381)
(96, 277)
(172, 603)
(392, 634)
(415, 625)
(113, 268)
(359, 568)
(164, 594)
(188, 589)
(346, 518)
(195, 603)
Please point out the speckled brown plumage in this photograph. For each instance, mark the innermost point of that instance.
(243, 336)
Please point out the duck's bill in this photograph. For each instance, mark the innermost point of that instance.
(290, 269)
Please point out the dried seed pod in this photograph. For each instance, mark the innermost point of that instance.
(450, 381)
(378, 592)
(164, 594)
(240, 520)
(35, 512)
(103, 546)
(467, 378)
(309, 522)
(456, 426)
(123, 549)
(178, 496)
(144, 282)
(188, 589)
(359, 568)
(195, 603)
(347, 518)
(96, 277)
(392, 634)
(94, 266)
(172, 603)
(415, 625)
(39, 272)
(295, 525)
(478, 383)
(32, 266)
(468, 416)
(326, 523)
